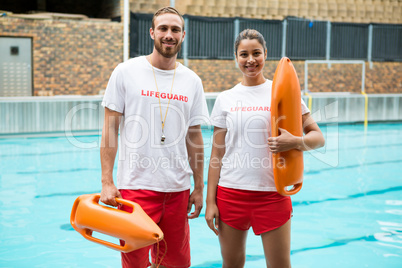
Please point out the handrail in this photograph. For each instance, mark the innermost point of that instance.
(365, 109)
(310, 100)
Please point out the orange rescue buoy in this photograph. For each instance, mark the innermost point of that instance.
(286, 114)
(137, 229)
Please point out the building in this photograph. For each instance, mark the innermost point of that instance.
(50, 47)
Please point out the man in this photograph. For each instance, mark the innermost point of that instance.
(159, 105)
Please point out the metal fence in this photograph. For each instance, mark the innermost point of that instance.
(349, 41)
(140, 41)
(296, 38)
(386, 42)
(306, 39)
(272, 32)
(210, 38)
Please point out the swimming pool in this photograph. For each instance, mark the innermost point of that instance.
(348, 213)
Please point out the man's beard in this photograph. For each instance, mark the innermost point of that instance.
(167, 52)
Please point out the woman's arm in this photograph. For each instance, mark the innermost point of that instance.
(313, 138)
(286, 141)
(215, 164)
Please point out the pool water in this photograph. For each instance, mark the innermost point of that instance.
(348, 213)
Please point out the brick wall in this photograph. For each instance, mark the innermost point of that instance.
(359, 11)
(69, 56)
(383, 77)
(218, 75)
(149, 6)
(77, 57)
(90, 8)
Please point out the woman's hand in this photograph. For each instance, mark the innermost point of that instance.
(284, 142)
(212, 217)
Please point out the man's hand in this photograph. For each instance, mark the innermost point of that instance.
(196, 199)
(109, 193)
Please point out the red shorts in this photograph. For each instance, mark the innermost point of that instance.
(169, 211)
(242, 209)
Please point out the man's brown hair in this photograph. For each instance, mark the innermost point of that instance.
(166, 10)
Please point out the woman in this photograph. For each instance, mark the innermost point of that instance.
(241, 188)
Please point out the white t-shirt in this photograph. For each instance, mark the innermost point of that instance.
(144, 163)
(245, 112)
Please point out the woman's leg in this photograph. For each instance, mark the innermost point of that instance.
(277, 246)
(233, 246)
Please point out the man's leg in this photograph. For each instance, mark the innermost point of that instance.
(174, 225)
(151, 202)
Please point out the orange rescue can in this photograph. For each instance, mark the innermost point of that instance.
(136, 229)
(286, 113)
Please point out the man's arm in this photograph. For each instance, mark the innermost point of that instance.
(195, 150)
(108, 150)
